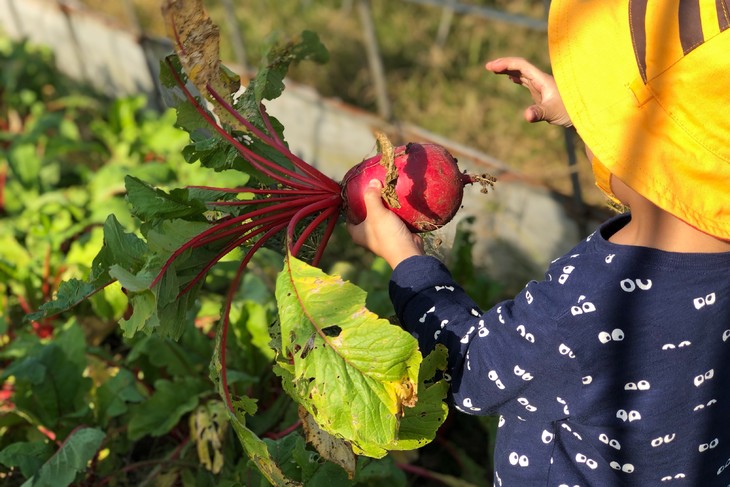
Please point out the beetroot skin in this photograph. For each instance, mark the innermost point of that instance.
(429, 187)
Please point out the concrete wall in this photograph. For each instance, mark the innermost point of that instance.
(519, 227)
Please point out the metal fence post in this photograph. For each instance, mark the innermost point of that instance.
(447, 17)
(374, 60)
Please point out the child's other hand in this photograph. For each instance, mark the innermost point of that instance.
(383, 232)
(548, 105)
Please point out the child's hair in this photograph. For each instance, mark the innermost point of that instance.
(647, 86)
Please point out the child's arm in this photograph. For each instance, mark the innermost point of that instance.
(548, 105)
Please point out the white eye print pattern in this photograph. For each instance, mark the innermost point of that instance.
(422, 319)
(701, 302)
(672, 346)
(662, 440)
(617, 335)
(613, 443)
(494, 377)
(582, 307)
(575, 433)
(525, 334)
(631, 285)
(642, 385)
(522, 373)
(726, 335)
(629, 416)
(517, 459)
(566, 410)
(567, 270)
(590, 463)
(524, 402)
(547, 436)
(668, 478)
(723, 467)
(626, 467)
(482, 330)
(700, 379)
(700, 407)
(467, 403)
(565, 350)
(708, 446)
(465, 338)
(441, 288)
(438, 332)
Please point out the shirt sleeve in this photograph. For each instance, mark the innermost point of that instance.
(508, 360)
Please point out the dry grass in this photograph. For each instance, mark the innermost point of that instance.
(443, 89)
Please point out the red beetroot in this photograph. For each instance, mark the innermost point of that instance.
(429, 186)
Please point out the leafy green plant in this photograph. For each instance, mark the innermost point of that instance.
(116, 381)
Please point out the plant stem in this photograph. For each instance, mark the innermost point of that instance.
(333, 201)
(321, 179)
(232, 288)
(258, 162)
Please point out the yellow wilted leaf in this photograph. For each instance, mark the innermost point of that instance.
(208, 425)
(197, 44)
(334, 449)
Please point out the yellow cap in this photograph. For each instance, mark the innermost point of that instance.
(647, 86)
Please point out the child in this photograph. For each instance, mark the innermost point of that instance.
(614, 369)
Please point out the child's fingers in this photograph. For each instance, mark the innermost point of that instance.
(513, 67)
(373, 201)
(535, 113)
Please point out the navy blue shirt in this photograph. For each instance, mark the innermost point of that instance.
(613, 370)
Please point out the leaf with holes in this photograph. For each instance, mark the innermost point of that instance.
(354, 372)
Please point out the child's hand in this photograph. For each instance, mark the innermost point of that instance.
(548, 103)
(383, 232)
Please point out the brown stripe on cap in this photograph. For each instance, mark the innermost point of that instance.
(690, 25)
(637, 21)
(723, 13)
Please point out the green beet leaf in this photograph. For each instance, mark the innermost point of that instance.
(76, 451)
(161, 412)
(354, 372)
(26, 455)
(420, 423)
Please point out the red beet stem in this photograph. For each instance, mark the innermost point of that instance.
(327, 213)
(333, 201)
(263, 190)
(258, 162)
(323, 181)
(201, 238)
(331, 224)
(235, 284)
(278, 223)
